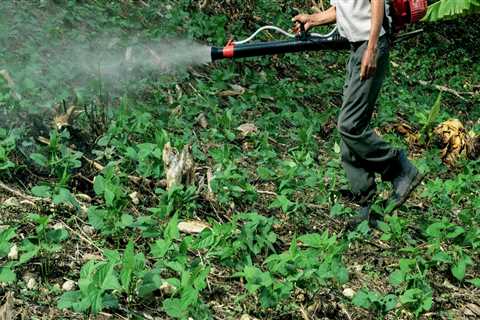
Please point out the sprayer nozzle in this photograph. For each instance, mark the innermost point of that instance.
(216, 53)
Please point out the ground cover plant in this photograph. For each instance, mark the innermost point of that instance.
(216, 191)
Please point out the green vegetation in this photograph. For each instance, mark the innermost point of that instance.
(84, 196)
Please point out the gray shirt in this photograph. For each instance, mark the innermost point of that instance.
(354, 19)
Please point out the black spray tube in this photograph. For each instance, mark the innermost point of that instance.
(299, 44)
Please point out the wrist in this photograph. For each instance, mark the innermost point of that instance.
(372, 46)
(315, 19)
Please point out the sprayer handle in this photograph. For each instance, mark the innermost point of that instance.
(303, 33)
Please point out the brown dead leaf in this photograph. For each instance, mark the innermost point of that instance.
(179, 167)
(247, 128)
(236, 90)
(192, 227)
(167, 289)
(410, 133)
(134, 197)
(6, 311)
(475, 309)
(202, 120)
(454, 141)
(64, 120)
(90, 256)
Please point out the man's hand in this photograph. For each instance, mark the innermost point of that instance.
(312, 20)
(305, 19)
(369, 63)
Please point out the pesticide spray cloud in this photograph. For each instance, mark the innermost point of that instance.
(52, 54)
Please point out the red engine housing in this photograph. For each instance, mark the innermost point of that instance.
(408, 11)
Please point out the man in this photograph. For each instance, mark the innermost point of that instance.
(363, 152)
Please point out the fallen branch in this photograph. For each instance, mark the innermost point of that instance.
(345, 312)
(304, 313)
(458, 94)
(18, 193)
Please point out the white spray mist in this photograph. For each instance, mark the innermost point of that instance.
(49, 59)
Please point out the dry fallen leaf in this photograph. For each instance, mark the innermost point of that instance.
(247, 128)
(134, 197)
(13, 253)
(178, 167)
(202, 120)
(411, 134)
(475, 309)
(65, 119)
(11, 202)
(90, 256)
(348, 292)
(68, 285)
(192, 227)
(167, 289)
(454, 141)
(236, 90)
(83, 197)
(6, 311)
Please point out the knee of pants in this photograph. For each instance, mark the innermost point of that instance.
(345, 127)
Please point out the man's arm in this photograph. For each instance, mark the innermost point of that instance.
(369, 60)
(328, 16)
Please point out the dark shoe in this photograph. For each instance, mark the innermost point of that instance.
(404, 183)
(362, 215)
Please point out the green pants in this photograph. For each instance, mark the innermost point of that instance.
(363, 152)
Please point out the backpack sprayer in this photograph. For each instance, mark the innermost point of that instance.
(403, 12)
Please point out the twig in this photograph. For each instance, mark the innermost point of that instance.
(270, 193)
(83, 238)
(342, 307)
(304, 313)
(446, 89)
(440, 88)
(18, 193)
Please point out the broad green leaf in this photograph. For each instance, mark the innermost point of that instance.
(173, 307)
(475, 282)
(69, 299)
(460, 267)
(451, 9)
(411, 295)
(57, 235)
(128, 266)
(390, 302)
(396, 278)
(99, 185)
(160, 248)
(171, 231)
(39, 159)
(151, 281)
(109, 197)
(361, 300)
(442, 257)
(7, 275)
(42, 191)
(105, 278)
